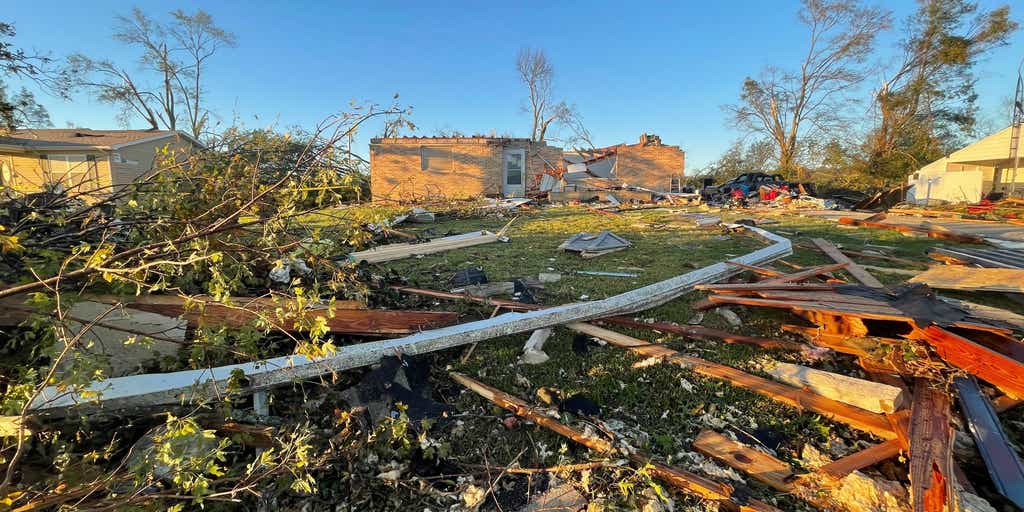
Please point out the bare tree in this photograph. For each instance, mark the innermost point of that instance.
(20, 108)
(785, 106)
(537, 74)
(168, 89)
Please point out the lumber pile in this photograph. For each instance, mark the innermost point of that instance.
(881, 326)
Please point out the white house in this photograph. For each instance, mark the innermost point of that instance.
(970, 174)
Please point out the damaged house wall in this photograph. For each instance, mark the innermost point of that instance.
(649, 163)
(412, 168)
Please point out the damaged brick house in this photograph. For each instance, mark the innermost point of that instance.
(648, 164)
(411, 168)
(414, 168)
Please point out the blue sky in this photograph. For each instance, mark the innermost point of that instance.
(662, 68)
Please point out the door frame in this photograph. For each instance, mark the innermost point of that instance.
(506, 189)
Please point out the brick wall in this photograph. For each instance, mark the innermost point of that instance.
(396, 172)
(649, 166)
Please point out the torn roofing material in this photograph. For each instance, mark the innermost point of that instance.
(603, 241)
(175, 387)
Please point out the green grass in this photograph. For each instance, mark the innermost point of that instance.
(651, 398)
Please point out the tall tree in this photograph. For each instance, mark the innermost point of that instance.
(538, 75)
(927, 103)
(20, 109)
(785, 106)
(167, 89)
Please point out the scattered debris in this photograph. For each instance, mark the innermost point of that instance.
(469, 276)
(548, 277)
(592, 246)
(730, 317)
(282, 272)
(678, 478)
(421, 216)
(605, 274)
(533, 350)
(396, 380)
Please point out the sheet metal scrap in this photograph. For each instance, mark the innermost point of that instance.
(990, 258)
(1002, 462)
(588, 245)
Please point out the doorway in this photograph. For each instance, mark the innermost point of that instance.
(513, 173)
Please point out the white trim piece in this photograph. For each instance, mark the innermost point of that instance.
(183, 386)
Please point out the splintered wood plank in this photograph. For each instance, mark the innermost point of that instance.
(931, 449)
(681, 479)
(855, 270)
(797, 398)
(741, 287)
(347, 317)
(825, 297)
(864, 458)
(952, 277)
(932, 232)
(757, 270)
(759, 465)
(867, 395)
(804, 274)
(859, 310)
(1001, 371)
(699, 332)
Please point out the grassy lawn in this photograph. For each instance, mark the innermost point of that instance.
(662, 405)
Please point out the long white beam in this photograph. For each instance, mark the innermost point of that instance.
(185, 386)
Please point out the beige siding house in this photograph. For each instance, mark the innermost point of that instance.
(970, 174)
(79, 160)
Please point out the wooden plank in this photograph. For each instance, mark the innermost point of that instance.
(759, 465)
(794, 397)
(1002, 372)
(757, 270)
(870, 396)
(930, 232)
(681, 479)
(951, 277)
(855, 270)
(890, 270)
(740, 287)
(931, 449)
(861, 459)
(348, 317)
(699, 332)
(804, 274)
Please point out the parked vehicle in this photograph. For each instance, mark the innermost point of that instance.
(747, 183)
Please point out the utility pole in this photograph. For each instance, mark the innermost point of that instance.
(1018, 118)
